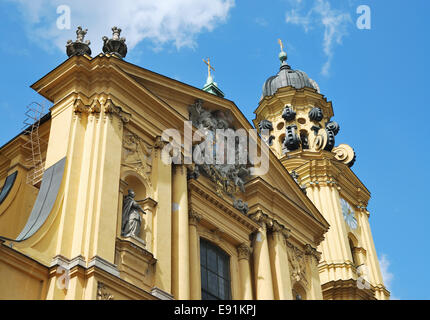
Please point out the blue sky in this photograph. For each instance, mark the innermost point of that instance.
(377, 80)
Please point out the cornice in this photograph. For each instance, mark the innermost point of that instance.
(221, 205)
(327, 172)
(262, 188)
(271, 106)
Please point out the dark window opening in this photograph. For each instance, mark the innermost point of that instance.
(215, 272)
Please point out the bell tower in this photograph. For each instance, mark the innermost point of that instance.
(296, 121)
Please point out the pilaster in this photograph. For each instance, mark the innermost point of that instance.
(180, 235)
(262, 270)
(195, 279)
(162, 219)
(244, 254)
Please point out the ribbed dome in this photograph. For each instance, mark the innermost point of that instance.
(287, 77)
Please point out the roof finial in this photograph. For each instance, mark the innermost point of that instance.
(281, 44)
(209, 67)
(79, 47)
(116, 45)
(210, 85)
(283, 55)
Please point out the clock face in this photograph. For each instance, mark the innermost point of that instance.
(348, 214)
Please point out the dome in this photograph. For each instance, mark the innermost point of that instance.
(288, 77)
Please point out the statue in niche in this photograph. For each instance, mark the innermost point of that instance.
(131, 218)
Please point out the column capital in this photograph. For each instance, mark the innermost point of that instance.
(160, 143)
(244, 251)
(261, 218)
(179, 168)
(111, 109)
(194, 217)
(311, 251)
(276, 228)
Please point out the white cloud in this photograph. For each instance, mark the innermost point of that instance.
(334, 22)
(159, 21)
(261, 22)
(386, 275)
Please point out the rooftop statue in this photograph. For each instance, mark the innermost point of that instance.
(116, 45)
(79, 47)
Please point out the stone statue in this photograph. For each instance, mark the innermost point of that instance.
(131, 218)
(116, 45)
(241, 205)
(79, 47)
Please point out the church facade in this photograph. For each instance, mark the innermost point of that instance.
(122, 213)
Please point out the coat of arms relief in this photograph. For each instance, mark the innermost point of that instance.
(229, 174)
(137, 155)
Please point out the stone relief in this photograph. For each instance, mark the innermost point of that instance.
(297, 261)
(241, 206)
(137, 155)
(228, 178)
(102, 293)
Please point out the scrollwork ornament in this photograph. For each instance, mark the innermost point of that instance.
(289, 114)
(346, 154)
(316, 114)
(292, 140)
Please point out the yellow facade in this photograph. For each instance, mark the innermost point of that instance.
(106, 125)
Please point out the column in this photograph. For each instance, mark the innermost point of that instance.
(262, 271)
(312, 259)
(195, 276)
(180, 235)
(244, 252)
(279, 262)
(162, 219)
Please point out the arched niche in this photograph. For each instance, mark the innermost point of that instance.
(358, 253)
(299, 292)
(131, 180)
(137, 185)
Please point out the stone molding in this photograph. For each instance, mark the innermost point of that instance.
(160, 294)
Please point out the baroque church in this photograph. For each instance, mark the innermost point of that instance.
(110, 218)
